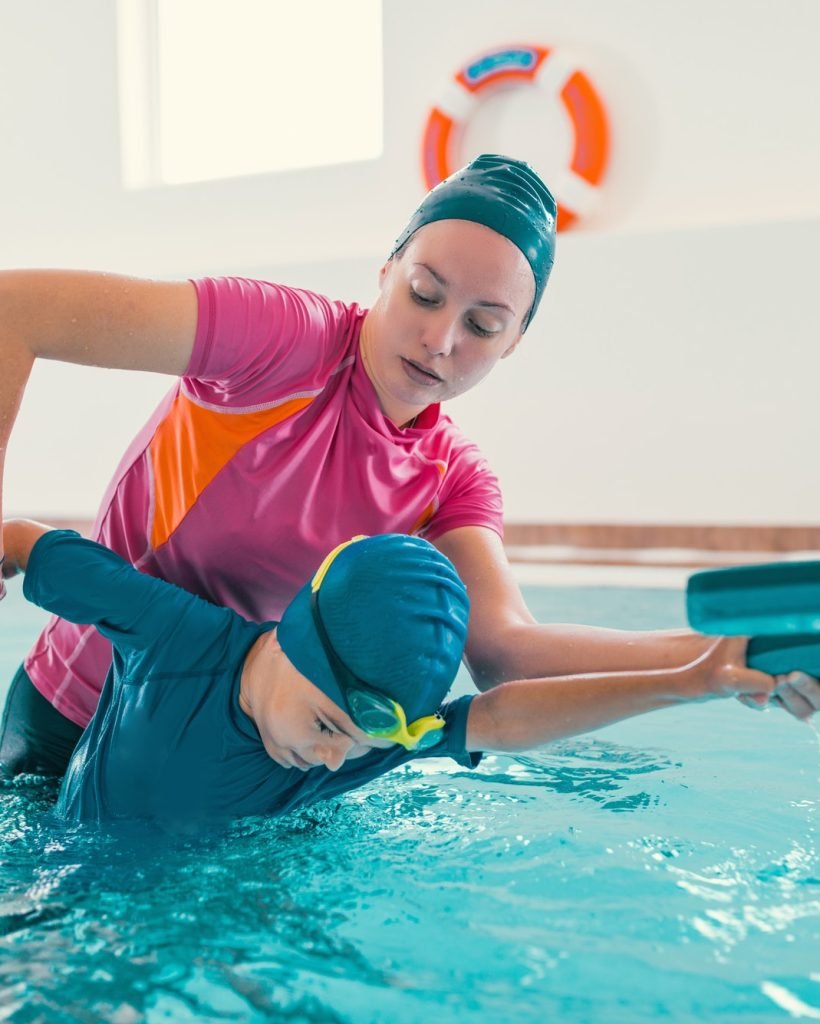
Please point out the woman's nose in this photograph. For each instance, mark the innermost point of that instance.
(440, 338)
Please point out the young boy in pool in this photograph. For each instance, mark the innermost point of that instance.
(205, 715)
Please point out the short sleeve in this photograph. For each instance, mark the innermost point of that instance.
(471, 496)
(453, 744)
(454, 741)
(84, 582)
(258, 342)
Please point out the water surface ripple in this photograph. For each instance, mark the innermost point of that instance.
(665, 868)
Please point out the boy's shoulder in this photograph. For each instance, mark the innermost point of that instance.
(83, 581)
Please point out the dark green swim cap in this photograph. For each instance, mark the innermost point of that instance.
(396, 613)
(505, 195)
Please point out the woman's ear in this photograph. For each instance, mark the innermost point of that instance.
(383, 272)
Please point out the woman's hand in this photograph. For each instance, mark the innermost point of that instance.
(722, 672)
(19, 537)
(726, 674)
(8, 568)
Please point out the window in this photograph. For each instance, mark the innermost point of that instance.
(222, 88)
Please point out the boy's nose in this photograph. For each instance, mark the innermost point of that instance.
(333, 759)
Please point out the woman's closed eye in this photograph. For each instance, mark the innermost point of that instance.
(324, 728)
(429, 300)
(482, 332)
(421, 299)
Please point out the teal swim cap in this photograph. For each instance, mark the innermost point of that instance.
(395, 612)
(503, 194)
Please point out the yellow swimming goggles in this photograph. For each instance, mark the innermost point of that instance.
(372, 711)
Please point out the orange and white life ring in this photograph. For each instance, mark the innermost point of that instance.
(575, 189)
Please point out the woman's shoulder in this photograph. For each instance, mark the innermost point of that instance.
(271, 298)
(258, 340)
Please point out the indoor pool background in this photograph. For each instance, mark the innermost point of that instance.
(662, 869)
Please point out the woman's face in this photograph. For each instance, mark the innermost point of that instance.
(450, 305)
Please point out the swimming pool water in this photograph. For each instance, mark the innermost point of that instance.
(662, 869)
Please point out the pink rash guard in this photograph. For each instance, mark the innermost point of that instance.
(270, 450)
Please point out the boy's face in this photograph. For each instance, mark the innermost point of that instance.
(302, 728)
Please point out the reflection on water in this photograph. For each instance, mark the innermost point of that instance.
(557, 883)
(603, 772)
(665, 869)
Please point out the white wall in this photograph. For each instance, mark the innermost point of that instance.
(669, 375)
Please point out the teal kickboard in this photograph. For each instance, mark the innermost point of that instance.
(779, 655)
(775, 599)
(776, 604)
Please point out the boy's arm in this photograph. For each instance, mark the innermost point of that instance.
(84, 582)
(524, 714)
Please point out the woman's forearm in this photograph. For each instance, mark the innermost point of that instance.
(92, 319)
(535, 650)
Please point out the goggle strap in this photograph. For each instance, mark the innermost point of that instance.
(321, 572)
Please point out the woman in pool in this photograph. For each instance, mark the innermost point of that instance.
(205, 715)
(297, 422)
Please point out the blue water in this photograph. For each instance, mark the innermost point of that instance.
(664, 869)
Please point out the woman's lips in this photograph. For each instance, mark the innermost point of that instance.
(300, 762)
(420, 374)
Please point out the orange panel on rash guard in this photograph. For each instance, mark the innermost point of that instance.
(191, 445)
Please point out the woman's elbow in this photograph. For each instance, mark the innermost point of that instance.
(490, 660)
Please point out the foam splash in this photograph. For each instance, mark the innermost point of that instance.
(789, 1002)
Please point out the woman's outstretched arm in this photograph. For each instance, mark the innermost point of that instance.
(89, 318)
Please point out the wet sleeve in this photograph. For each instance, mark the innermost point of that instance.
(84, 582)
(258, 342)
(453, 744)
(454, 739)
